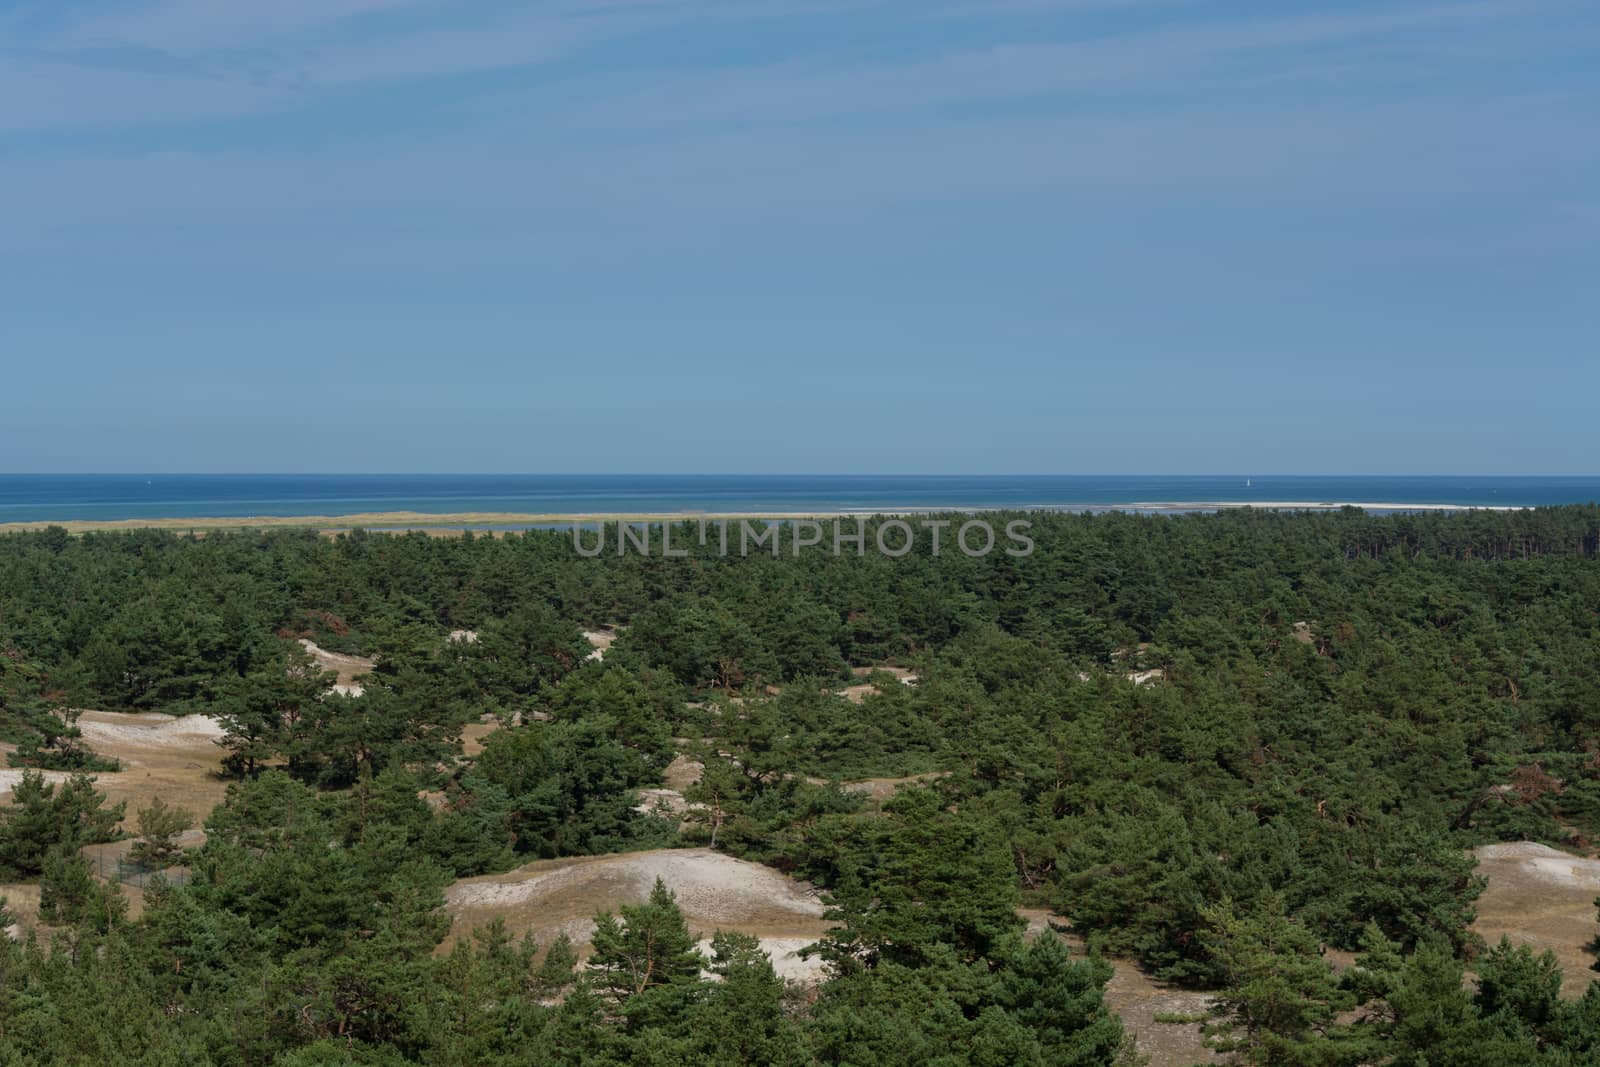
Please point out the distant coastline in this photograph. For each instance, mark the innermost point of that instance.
(215, 501)
(416, 520)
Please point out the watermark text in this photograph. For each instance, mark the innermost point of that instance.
(892, 538)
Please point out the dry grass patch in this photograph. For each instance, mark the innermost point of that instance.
(1541, 896)
(176, 759)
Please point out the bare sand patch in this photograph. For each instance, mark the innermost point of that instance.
(682, 772)
(715, 891)
(109, 733)
(1543, 897)
(22, 901)
(176, 759)
(474, 734)
(883, 788)
(600, 641)
(1536, 895)
(861, 690)
(348, 668)
(1136, 677)
(784, 952)
(10, 776)
(1137, 999)
(668, 800)
(905, 675)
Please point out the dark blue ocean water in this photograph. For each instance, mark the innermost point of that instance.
(58, 497)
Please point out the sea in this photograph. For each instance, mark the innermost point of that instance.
(69, 497)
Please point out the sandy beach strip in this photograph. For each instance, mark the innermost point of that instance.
(408, 520)
(1314, 505)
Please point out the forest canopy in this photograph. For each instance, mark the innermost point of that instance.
(1216, 745)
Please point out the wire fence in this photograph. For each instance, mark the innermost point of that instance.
(121, 868)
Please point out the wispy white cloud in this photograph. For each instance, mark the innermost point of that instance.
(520, 42)
(1174, 59)
(45, 94)
(198, 27)
(191, 27)
(224, 60)
(501, 200)
(242, 59)
(62, 85)
(1252, 109)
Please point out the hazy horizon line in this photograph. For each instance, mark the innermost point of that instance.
(783, 474)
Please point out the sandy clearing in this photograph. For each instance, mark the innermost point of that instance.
(669, 800)
(474, 734)
(711, 885)
(904, 674)
(1541, 896)
(553, 897)
(104, 859)
(1138, 999)
(22, 901)
(1543, 863)
(106, 733)
(10, 776)
(682, 772)
(177, 759)
(861, 690)
(883, 788)
(1536, 895)
(601, 641)
(784, 952)
(715, 891)
(1136, 677)
(347, 668)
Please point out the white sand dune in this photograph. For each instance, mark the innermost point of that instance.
(11, 776)
(101, 729)
(600, 640)
(548, 898)
(1543, 863)
(710, 886)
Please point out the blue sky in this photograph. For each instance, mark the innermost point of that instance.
(1029, 236)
